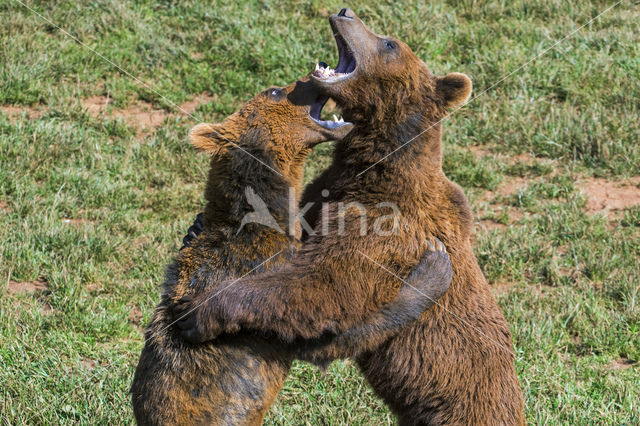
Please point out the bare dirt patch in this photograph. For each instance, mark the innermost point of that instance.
(93, 287)
(498, 216)
(38, 288)
(509, 186)
(16, 111)
(605, 196)
(4, 206)
(502, 288)
(525, 158)
(88, 364)
(479, 151)
(621, 364)
(28, 287)
(190, 106)
(492, 206)
(142, 115)
(512, 185)
(95, 105)
(135, 316)
(490, 224)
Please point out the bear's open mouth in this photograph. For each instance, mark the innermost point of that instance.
(344, 69)
(316, 110)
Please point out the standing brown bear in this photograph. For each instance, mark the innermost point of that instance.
(456, 364)
(235, 379)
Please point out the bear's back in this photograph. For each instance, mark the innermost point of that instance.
(232, 379)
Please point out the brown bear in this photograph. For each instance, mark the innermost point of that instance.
(236, 378)
(455, 365)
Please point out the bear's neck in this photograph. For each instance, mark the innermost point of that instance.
(382, 153)
(234, 197)
(396, 168)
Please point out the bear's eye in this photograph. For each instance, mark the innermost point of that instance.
(276, 94)
(389, 44)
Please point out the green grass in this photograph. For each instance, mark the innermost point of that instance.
(567, 280)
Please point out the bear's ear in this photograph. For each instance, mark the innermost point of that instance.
(210, 138)
(454, 88)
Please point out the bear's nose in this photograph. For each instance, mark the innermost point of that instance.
(347, 13)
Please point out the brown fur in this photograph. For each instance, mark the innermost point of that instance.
(456, 364)
(236, 378)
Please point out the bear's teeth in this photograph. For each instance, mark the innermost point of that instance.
(324, 72)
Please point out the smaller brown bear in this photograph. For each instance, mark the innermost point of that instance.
(236, 378)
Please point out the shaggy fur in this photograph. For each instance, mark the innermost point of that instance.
(456, 364)
(236, 378)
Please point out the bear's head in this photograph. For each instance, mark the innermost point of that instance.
(277, 128)
(379, 81)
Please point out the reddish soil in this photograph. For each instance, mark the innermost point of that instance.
(15, 111)
(490, 224)
(622, 364)
(190, 106)
(604, 195)
(37, 287)
(480, 152)
(88, 364)
(93, 287)
(514, 214)
(141, 116)
(28, 287)
(135, 316)
(511, 185)
(496, 207)
(501, 288)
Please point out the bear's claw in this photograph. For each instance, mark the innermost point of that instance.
(193, 232)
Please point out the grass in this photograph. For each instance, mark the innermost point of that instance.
(93, 208)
